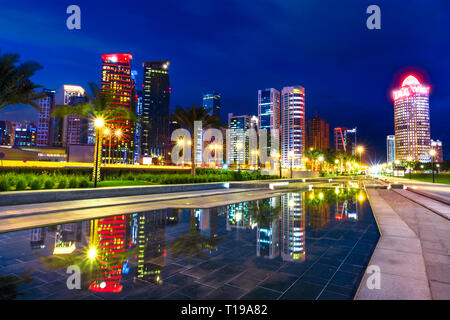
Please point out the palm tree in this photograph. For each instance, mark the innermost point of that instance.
(99, 105)
(313, 154)
(185, 118)
(15, 84)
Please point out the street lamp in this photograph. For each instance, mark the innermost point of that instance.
(409, 159)
(432, 154)
(239, 146)
(98, 123)
(360, 150)
(291, 156)
(321, 158)
(118, 134)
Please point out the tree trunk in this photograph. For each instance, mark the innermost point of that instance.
(193, 158)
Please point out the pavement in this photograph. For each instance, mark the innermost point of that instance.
(412, 253)
(439, 189)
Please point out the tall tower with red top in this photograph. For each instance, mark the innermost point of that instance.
(412, 120)
(118, 83)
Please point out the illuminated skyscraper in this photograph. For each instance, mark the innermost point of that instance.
(345, 140)
(45, 124)
(212, 101)
(269, 112)
(390, 148)
(293, 133)
(155, 109)
(69, 130)
(412, 120)
(239, 137)
(319, 133)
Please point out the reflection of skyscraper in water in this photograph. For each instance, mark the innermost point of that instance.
(238, 217)
(151, 242)
(109, 236)
(293, 227)
(347, 209)
(268, 237)
(66, 236)
(318, 216)
(206, 221)
(37, 238)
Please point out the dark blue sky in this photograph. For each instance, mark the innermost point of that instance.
(236, 47)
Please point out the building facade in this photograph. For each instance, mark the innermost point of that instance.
(119, 85)
(25, 134)
(212, 101)
(45, 124)
(390, 148)
(437, 146)
(318, 134)
(412, 120)
(269, 113)
(6, 133)
(293, 128)
(239, 146)
(345, 140)
(155, 139)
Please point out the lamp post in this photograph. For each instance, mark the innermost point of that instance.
(432, 154)
(321, 158)
(360, 150)
(239, 146)
(118, 134)
(98, 123)
(409, 165)
(291, 156)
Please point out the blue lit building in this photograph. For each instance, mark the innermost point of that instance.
(212, 101)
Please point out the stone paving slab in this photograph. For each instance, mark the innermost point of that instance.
(433, 205)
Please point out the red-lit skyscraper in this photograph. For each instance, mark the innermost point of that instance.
(117, 82)
(412, 121)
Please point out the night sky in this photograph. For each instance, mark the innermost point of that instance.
(237, 47)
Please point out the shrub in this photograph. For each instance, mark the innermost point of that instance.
(21, 184)
(49, 183)
(62, 183)
(4, 184)
(36, 184)
(73, 183)
(84, 183)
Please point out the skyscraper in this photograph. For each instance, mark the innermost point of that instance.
(345, 140)
(6, 133)
(390, 148)
(293, 134)
(239, 138)
(155, 109)
(67, 130)
(45, 124)
(269, 112)
(117, 82)
(319, 133)
(212, 101)
(412, 120)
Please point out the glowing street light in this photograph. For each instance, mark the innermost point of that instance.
(432, 154)
(98, 123)
(409, 159)
(92, 253)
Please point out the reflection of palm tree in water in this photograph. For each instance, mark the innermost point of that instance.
(193, 244)
(10, 285)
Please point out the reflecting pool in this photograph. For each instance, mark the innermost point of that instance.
(298, 245)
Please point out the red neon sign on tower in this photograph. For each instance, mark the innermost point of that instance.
(410, 85)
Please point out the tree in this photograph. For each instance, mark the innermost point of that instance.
(313, 155)
(185, 118)
(15, 84)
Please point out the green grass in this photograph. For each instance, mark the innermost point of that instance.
(428, 177)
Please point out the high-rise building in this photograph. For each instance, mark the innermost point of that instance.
(345, 140)
(45, 127)
(239, 138)
(25, 134)
(390, 148)
(155, 109)
(70, 129)
(437, 146)
(293, 133)
(412, 120)
(319, 133)
(119, 85)
(269, 113)
(212, 101)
